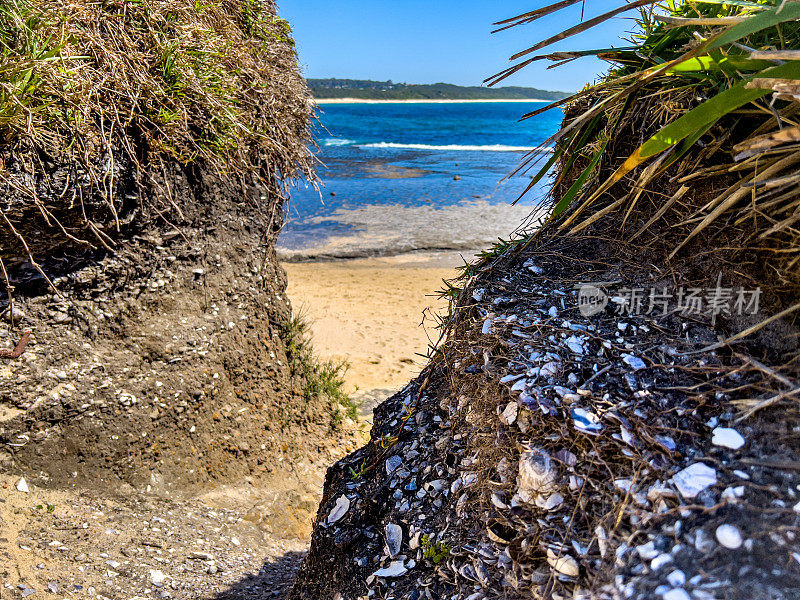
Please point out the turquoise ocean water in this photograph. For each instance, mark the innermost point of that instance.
(399, 177)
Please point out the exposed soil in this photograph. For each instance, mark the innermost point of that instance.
(156, 414)
(234, 543)
(627, 403)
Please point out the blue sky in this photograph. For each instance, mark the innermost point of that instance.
(416, 41)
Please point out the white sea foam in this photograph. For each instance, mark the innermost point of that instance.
(457, 147)
(336, 142)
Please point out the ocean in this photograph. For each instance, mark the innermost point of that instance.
(401, 177)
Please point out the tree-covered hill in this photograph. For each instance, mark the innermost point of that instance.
(387, 90)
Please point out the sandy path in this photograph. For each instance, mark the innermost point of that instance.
(370, 312)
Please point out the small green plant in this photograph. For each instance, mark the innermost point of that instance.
(432, 550)
(323, 378)
(358, 474)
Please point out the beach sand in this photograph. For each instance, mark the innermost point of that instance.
(370, 312)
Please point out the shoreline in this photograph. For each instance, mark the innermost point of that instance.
(420, 101)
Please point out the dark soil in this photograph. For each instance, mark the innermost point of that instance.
(456, 430)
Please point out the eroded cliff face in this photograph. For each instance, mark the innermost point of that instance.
(142, 194)
(545, 453)
(165, 363)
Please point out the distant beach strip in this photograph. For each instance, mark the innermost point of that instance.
(420, 101)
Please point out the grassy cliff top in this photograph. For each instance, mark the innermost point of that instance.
(213, 81)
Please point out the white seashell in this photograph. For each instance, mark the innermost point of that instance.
(487, 326)
(536, 475)
(694, 479)
(22, 486)
(498, 502)
(564, 564)
(394, 538)
(339, 510)
(602, 540)
(519, 385)
(395, 569)
(548, 369)
(550, 502)
(729, 438)
(509, 415)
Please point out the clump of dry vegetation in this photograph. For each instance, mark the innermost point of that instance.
(689, 145)
(99, 100)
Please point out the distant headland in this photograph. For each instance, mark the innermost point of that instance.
(355, 89)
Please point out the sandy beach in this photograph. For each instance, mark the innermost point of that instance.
(417, 101)
(372, 313)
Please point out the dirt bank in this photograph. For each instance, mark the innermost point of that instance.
(547, 454)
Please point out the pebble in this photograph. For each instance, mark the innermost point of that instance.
(17, 315)
(393, 463)
(727, 437)
(729, 536)
(659, 561)
(22, 486)
(703, 542)
(694, 479)
(575, 344)
(157, 578)
(677, 578)
(634, 362)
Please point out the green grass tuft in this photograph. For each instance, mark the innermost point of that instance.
(322, 378)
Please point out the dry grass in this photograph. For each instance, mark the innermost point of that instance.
(690, 144)
(91, 92)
